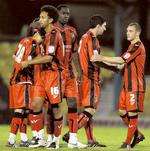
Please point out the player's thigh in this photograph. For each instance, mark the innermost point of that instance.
(52, 86)
(85, 92)
(135, 101)
(122, 100)
(71, 89)
(38, 97)
(141, 97)
(97, 93)
(16, 96)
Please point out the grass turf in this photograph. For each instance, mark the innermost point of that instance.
(110, 136)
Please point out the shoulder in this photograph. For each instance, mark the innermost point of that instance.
(53, 33)
(135, 46)
(85, 37)
(55, 30)
(26, 41)
(142, 46)
(71, 28)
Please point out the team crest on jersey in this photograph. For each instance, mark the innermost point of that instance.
(127, 55)
(51, 49)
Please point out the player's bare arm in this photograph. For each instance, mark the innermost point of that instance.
(118, 66)
(76, 65)
(37, 60)
(105, 59)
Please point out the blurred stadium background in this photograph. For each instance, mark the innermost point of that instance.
(15, 15)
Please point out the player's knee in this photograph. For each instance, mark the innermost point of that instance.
(19, 111)
(122, 112)
(71, 102)
(90, 110)
(131, 114)
(72, 105)
(26, 113)
(37, 104)
(56, 111)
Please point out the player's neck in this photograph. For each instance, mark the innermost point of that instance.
(48, 28)
(135, 40)
(93, 31)
(62, 24)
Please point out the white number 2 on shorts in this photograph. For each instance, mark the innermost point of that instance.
(132, 98)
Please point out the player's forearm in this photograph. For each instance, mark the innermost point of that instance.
(111, 60)
(40, 60)
(76, 64)
(110, 64)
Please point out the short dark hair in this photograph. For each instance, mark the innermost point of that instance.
(35, 27)
(59, 7)
(52, 12)
(95, 20)
(136, 25)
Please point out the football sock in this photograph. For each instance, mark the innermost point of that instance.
(50, 122)
(83, 118)
(36, 121)
(89, 130)
(15, 124)
(131, 128)
(58, 126)
(73, 120)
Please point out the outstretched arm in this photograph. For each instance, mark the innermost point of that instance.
(107, 60)
(76, 65)
(37, 60)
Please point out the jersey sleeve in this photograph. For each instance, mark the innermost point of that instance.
(131, 55)
(75, 41)
(85, 45)
(20, 51)
(90, 48)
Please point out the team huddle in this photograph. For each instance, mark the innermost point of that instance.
(49, 66)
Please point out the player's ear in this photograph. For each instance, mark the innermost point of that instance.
(50, 20)
(138, 33)
(97, 25)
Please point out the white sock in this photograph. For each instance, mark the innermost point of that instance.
(41, 134)
(12, 138)
(50, 137)
(24, 137)
(56, 140)
(73, 138)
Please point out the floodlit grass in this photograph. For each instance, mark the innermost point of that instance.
(112, 137)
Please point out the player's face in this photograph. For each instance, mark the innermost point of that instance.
(44, 19)
(64, 15)
(101, 28)
(132, 33)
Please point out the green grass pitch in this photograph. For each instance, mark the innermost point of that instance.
(111, 136)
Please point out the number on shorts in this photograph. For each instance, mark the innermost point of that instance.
(55, 91)
(132, 98)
